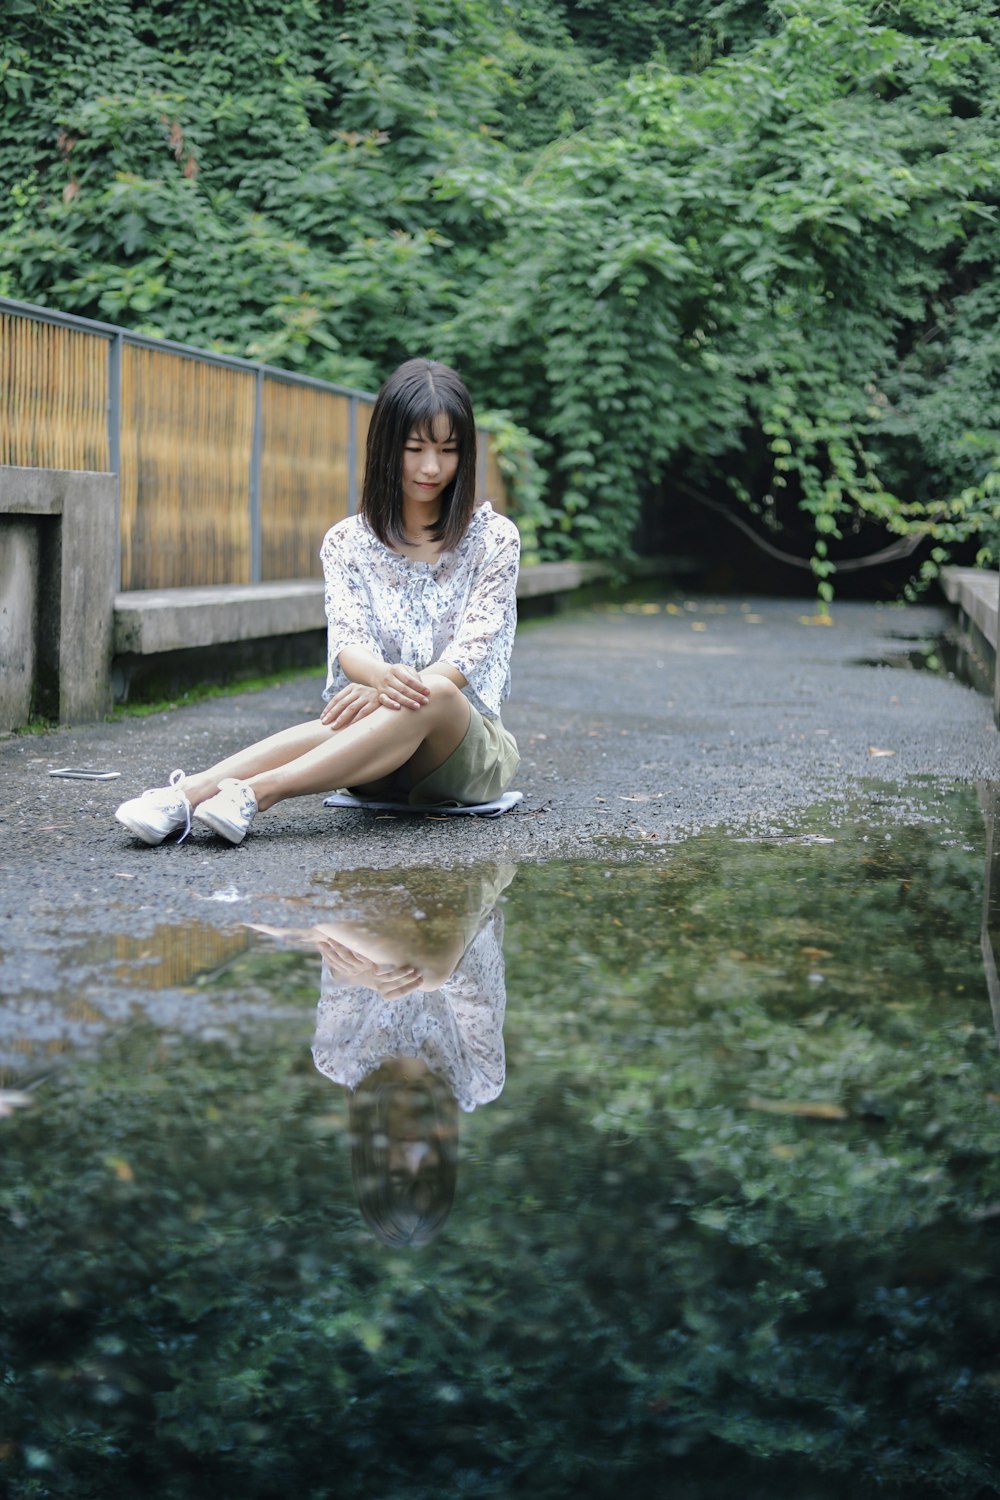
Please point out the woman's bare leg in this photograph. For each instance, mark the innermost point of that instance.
(276, 750)
(311, 758)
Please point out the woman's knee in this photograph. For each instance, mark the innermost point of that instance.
(445, 698)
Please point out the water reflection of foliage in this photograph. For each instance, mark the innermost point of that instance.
(647, 1276)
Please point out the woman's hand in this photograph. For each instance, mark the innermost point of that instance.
(392, 981)
(353, 702)
(395, 687)
(401, 687)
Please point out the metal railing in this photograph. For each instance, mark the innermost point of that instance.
(229, 471)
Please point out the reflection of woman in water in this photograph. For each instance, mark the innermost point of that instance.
(404, 1151)
(410, 1021)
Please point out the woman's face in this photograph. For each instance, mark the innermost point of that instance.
(415, 1133)
(430, 462)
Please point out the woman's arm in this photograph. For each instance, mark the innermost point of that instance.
(446, 669)
(373, 683)
(350, 625)
(481, 650)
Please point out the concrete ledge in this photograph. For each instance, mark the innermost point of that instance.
(558, 577)
(975, 593)
(166, 638)
(150, 621)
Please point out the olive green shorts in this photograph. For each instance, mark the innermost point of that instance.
(477, 770)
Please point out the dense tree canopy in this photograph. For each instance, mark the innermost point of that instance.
(745, 251)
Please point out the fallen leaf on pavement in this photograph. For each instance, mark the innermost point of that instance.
(810, 1110)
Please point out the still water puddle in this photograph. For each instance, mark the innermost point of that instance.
(948, 655)
(683, 1175)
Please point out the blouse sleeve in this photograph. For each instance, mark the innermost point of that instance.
(484, 640)
(477, 1007)
(340, 1044)
(350, 619)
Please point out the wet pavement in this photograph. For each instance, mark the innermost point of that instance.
(637, 726)
(648, 1135)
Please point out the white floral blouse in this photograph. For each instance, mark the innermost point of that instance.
(461, 609)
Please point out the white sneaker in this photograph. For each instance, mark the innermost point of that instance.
(158, 813)
(230, 812)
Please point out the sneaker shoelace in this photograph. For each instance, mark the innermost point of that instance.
(175, 777)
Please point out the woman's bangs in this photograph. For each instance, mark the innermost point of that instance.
(424, 413)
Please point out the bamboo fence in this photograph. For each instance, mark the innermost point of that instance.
(186, 434)
(229, 471)
(167, 958)
(54, 380)
(305, 483)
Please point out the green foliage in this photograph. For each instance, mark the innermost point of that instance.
(261, 188)
(517, 454)
(754, 246)
(686, 35)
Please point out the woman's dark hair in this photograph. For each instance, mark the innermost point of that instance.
(408, 402)
(403, 1210)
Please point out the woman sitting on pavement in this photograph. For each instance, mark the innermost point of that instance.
(421, 610)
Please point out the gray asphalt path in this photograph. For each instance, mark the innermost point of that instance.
(638, 726)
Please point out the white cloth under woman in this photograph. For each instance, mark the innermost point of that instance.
(461, 609)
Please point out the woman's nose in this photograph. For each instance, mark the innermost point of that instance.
(430, 464)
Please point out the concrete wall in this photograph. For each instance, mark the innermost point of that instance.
(975, 593)
(58, 569)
